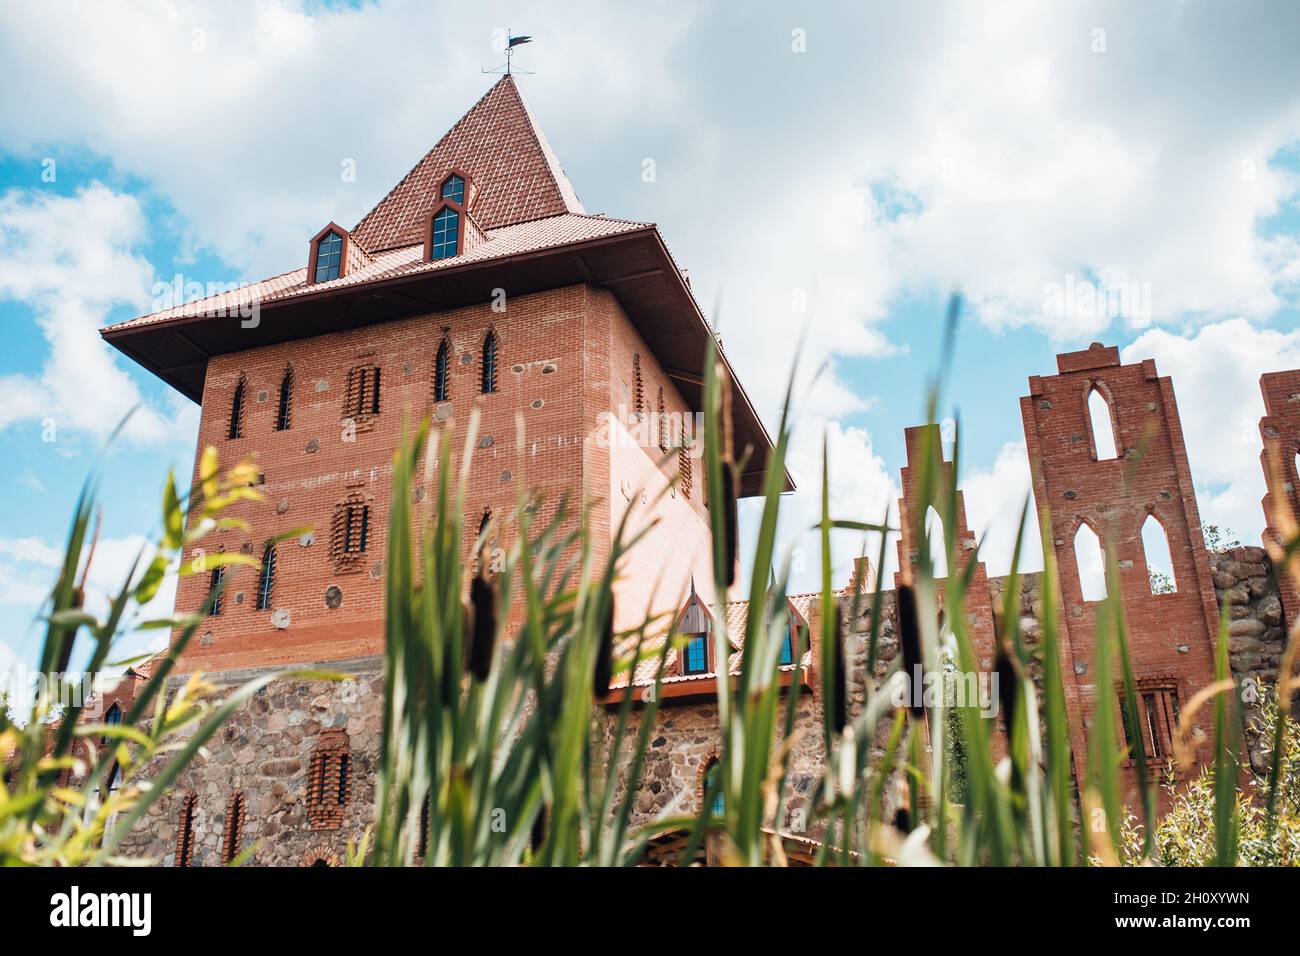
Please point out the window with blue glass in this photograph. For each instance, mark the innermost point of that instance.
(446, 233)
(329, 257)
(695, 656)
(787, 647)
(718, 805)
(453, 188)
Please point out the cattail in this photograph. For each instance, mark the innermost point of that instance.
(483, 603)
(605, 653)
(728, 505)
(909, 636)
(538, 832)
(1008, 688)
(839, 700)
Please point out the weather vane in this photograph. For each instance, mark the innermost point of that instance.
(511, 43)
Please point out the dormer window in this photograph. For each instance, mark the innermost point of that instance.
(446, 234)
(453, 188)
(332, 254)
(329, 257)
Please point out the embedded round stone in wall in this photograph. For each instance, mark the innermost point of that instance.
(322, 385)
(239, 597)
(548, 368)
(538, 403)
(417, 493)
(1071, 495)
(280, 768)
(407, 368)
(206, 640)
(246, 548)
(262, 396)
(517, 369)
(282, 506)
(280, 618)
(506, 475)
(313, 446)
(466, 358)
(377, 570)
(333, 596)
(485, 441)
(306, 539)
(443, 412)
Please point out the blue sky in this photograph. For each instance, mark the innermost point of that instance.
(861, 159)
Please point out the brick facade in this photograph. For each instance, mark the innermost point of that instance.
(1171, 635)
(1280, 431)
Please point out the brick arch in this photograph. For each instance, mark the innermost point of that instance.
(701, 772)
(1098, 384)
(1077, 522)
(321, 855)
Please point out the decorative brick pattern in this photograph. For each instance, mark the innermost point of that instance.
(329, 781)
(185, 831)
(232, 842)
(350, 533)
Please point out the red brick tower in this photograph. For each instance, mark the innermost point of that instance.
(479, 281)
(1280, 429)
(979, 610)
(1171, 634)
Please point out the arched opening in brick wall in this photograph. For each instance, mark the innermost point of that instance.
(236, 429)
(1101, 418)
(1090, 562)
(1160, 563)
(185, 831)
(284, 408)
(934, 533)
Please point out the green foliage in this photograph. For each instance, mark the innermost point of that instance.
(56, 808)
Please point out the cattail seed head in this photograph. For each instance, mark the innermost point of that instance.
(728, 506)
(605, 653)
(839, 699)
(1008, 687)
(909, 637)
(484, 627)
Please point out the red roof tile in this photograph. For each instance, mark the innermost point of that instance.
(507, 158)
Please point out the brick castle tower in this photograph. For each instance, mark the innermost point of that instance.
(478, 281)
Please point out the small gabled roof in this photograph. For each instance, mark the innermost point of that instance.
(502, 150)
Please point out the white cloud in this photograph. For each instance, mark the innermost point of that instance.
(1216, 374)
(994, 498)
(70, 260)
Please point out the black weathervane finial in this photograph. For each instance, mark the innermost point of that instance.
(511, 43)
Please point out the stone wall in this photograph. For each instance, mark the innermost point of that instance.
(264, 752)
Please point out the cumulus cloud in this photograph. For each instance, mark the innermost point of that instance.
(1216, 374)
(70, 259)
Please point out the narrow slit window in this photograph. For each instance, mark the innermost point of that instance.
(441, 370)
(266, 579)
(489, 364)
(1160, 563)
(685, 471)
(663, 422)
(236, 429)
(215, 591)
(1090, 563)
(1103, 427)
(284, 411)
(638, 388)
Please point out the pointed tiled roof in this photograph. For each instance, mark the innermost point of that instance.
(506, 156)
